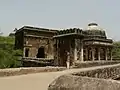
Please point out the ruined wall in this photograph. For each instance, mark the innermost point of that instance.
(36, 43)
(37, 39)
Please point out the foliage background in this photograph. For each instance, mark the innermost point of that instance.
(9, 57)
(116, 50)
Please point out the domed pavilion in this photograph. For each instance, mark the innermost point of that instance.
(96, 44)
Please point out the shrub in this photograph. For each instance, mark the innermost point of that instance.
(8, 56)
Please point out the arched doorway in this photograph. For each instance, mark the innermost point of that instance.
(41, 52)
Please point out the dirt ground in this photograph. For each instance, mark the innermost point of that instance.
(39, 81)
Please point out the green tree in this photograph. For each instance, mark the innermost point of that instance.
(9, 57)
(116, 49)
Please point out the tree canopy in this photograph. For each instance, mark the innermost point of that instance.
(116, 50)
(8, 55)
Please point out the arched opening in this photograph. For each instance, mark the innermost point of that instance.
(41, 53)
(96, 53)
(102, 53)
(90, 54)
(26, 52)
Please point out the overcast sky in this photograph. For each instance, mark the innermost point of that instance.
(58, 14)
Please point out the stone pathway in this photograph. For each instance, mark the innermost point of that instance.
(38, 81)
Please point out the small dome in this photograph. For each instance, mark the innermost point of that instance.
(94, 30)
(93, 26)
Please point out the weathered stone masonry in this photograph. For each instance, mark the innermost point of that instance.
(94, 79)
(89, 44)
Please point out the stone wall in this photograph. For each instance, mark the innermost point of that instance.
(105, 73)
(94, 63)
(36, 43)
(37, 62)
(22, 71)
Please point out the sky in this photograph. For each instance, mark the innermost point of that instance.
(60, 14)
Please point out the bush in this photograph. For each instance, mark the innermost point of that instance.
(8, 56)
(116, 50)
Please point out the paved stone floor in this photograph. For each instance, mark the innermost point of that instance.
(39, 81)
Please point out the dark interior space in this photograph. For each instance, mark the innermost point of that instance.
(26, 52)
(41, 53)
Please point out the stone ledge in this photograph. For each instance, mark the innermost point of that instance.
(22, 71)
(110, 72)
(72, 82)
(94, 63)
(91, 79)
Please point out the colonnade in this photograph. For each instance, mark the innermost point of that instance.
(97, 53)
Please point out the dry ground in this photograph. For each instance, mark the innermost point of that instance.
(38, 81)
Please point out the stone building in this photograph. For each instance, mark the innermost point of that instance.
(35, 42)
(89, 44)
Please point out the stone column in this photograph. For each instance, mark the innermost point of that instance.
(106, 54)
(93, 54)
(86, 54)
(81, 51)
(89, 54)
(57, 51)
(75, 50)
(111, 54)
(68, 60)
(24, 52)
(99, 54)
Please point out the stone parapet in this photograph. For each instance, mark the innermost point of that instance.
(94, 63)
(29, 70)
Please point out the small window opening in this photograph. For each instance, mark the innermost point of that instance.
(26, 52)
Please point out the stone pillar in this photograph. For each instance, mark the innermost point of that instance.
(68, 60)
(89, 54)
(56, 53)
(24, 52)
(86, 54)
(75, 54)
(57, 63)
(75, 51)
(99, 54)
(111, 54)
(106, 54)
(81, 51)
(78, 50)
(93, 54)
